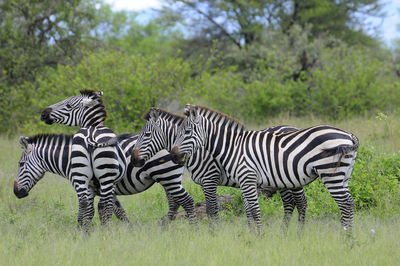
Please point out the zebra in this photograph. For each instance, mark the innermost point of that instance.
(159, 133)
(52, 153)
(266, 159)
(107, 164)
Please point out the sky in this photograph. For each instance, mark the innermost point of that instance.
(388, 25)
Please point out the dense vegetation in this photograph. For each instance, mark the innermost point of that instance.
(251, 59)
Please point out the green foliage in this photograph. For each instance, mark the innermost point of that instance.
(139, 65)
(35, 35)
(242, 23)
(131, 85)
(374, 186)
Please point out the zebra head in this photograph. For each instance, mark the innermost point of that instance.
(191, 135)
(83, 110)
(151, 139)
(30, 170)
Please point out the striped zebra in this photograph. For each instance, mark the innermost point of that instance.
(266, 159)
(106, 164)
(52, 153)
(159, 133)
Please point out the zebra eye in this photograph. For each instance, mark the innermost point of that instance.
(68, 106)
(21, 164)
(147, 134)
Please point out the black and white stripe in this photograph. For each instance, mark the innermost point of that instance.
(52, 153)
(106, 164)
(268, 159)
(159, 133)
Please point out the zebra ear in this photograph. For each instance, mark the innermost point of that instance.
(99, 93)
(24, 142)
(154, 114)
(187, 109)
(194, 113)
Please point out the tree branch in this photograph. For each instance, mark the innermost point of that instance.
(213, 22)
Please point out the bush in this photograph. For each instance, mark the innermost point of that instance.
(374, 186)
(131, 85)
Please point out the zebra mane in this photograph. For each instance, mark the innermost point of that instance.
(93, 93)
(39, 137)
(174, 118)
(89, 93)
(214, 115)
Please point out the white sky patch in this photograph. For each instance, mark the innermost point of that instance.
(133, 5)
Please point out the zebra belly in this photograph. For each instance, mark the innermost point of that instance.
(139, 179)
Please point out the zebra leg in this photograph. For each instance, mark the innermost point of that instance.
(288, 207)
(84, 212)
(173, 206)
(343, 199)
(90, 206)
(250, 219)
(119, 211)
(80, 176)
(179, 196)
(250, 197)
(300, 200)
(210, 193)
(106, 205)
(106, 170)
(85, 200)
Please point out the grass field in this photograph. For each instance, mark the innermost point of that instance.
(41, 229)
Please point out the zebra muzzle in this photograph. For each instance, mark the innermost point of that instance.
(137, 160)
(19, 193)
(45, 116)
(177, 157)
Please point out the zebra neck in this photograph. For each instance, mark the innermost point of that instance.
(93, 116)
(57, 158)
(92, 123)
(171, 135)
(169, 128)
(220, 139)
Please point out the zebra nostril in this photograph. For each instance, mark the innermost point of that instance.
(45, 116)
(19, 193)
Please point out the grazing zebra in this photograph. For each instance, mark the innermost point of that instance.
(266, 159)
(52, 153)
(107, 164)
(159, 133)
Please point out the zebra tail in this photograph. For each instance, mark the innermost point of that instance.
(343, 149)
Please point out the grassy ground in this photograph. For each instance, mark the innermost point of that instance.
(41, 229)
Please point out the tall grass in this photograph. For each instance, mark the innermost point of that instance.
(41, 229)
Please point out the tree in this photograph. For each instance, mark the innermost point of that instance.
(342, 19)
(34, 34)
(242, 22)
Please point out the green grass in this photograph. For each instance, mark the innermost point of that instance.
(42, 230)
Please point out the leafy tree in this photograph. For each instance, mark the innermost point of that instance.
(341, 19)
(34, 35)
(242, 22)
